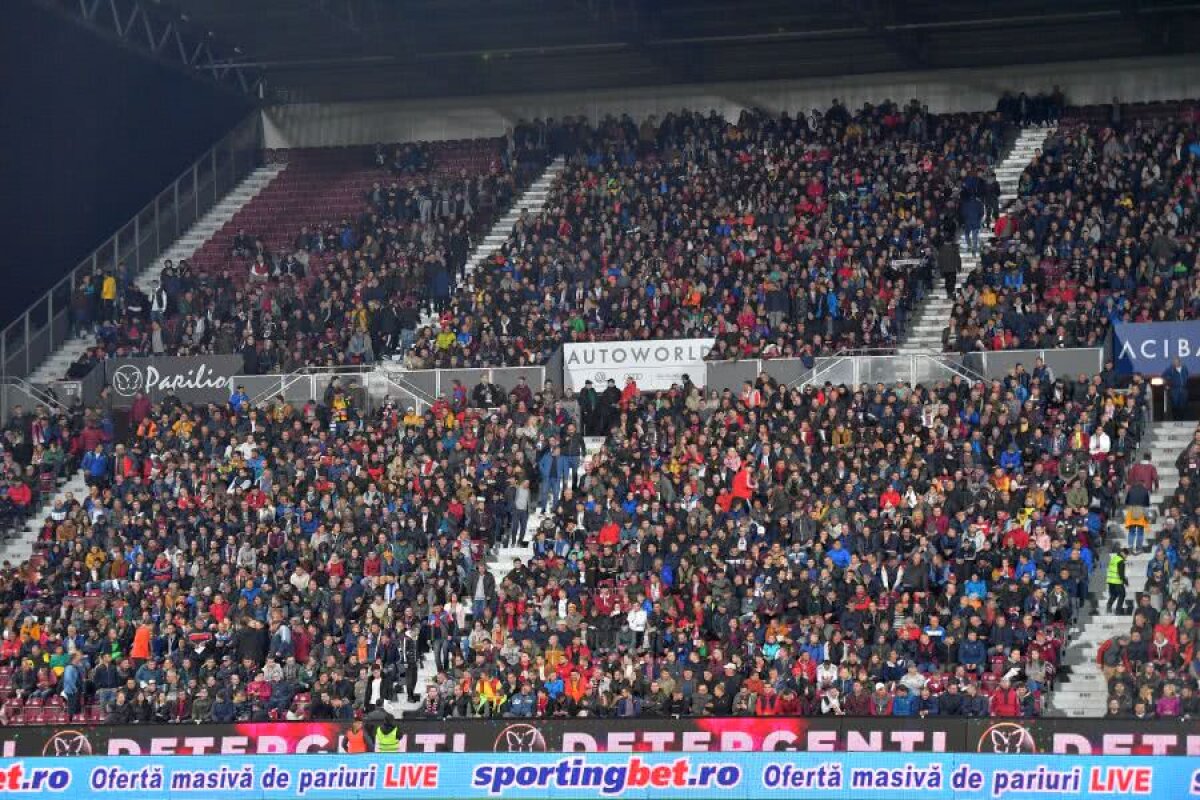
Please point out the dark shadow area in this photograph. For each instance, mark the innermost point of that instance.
(90, 133)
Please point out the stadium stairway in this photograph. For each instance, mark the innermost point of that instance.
(532, 201)
(924, 334)
(1081, 690)
(55, 367)
(19, 548)
(499, 562)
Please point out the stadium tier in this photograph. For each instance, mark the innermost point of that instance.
(776, 235)
(920, 549)
(891, 551)
(1104, 231)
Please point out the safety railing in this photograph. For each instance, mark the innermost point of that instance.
(375, 386)
(1064, 361)
(16, 392)
(910, 368)
(32, 337)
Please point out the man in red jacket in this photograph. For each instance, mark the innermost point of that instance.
(1005, 702)
(20, 494)
(1144, 473)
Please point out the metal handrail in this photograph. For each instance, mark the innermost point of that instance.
(285, 382)
(817, 372)
(37, 393)
(411, 389)
(17, 337)
(957, 367)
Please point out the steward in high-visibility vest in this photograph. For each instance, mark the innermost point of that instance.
(387, 740)
(1116, 580)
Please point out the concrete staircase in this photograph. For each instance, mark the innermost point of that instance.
(505, 557)
(499, 562)
(1081, 690)
(532, 202)
(924, 334)
(19, 548)
(55, 367)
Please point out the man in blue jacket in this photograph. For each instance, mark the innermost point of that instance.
(972, 653)
(972, 219)
(554, 467)
(1176, 377)
(95, 466)
(72, 686)
(904, 704)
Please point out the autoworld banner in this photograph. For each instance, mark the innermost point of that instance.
(1148, 348)
(193, 379)
(707, 734)
(654, 363)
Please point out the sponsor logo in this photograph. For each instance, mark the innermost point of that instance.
(1007, 738)
(129, 379)
(520, 739)
(611, 780)
(68, 743)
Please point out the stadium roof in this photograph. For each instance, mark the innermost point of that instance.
(338, 50)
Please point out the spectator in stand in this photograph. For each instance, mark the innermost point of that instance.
(1177, 377)
(1155, 666)
(1102, 231)
(736, 255)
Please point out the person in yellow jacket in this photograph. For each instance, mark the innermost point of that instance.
(1116, 581)
(1136, 524)
(108, 296)
(387, 737)
(490, 693)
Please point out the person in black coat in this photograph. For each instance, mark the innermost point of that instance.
(973, 703)
(950, 702)
(589, 409)
(610, 407)
(949, 263)
(410, 662)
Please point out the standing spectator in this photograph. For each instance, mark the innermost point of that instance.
(1145, 473)
(1117, 581)
(108, 297)
(1176, 377)
(972, 219)
(949, 263)
(72, 686)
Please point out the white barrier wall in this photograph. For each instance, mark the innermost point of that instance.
(334, 124)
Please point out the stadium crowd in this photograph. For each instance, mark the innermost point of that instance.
(888, 551)
(778, 236)
(1154, 669)
(881, 551)
(39, 449)
(1103, 230)
(338, 293)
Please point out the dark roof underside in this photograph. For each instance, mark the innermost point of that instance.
(337, 50)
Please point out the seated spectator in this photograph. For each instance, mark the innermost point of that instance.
(1098, 234)
(737, 259)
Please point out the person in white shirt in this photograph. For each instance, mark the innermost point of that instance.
(831, 703)
(635, 624)
(827, 673)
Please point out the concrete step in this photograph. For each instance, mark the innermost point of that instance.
(55, 366)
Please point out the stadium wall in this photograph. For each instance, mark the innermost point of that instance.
(1085, 83)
